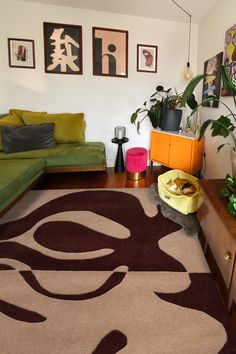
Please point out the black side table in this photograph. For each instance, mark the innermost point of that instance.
(119, 165)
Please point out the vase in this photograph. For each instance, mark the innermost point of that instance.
(233, 162)
(171, 120)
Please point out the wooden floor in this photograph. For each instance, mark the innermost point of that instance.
(101, 179)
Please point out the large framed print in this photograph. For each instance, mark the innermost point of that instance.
(110, 52)
(212, 81)
(21, 53)
(230, 58)
(147, 58)
(63, 48)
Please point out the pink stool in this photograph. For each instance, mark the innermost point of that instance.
(136, 163)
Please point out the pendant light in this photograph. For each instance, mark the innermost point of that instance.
(188, 74)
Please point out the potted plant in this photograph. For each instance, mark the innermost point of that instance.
(229, 191)
(225, 124)
(161, 110)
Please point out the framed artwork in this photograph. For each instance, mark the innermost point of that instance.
(212, 82)
(147, 58)
(63, 48)
(110, 52)
(21, 53)
(230, 57)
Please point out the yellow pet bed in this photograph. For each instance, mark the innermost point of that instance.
(185, 203)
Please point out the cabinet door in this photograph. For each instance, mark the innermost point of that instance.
(232, 292)
(218, 238)
(160, 146)
(180, 153)
(197, 154)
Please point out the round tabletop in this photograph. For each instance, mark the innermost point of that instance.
(120, 141)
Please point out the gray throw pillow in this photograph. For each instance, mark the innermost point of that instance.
(27, 137)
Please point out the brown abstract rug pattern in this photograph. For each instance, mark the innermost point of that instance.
(102, 272)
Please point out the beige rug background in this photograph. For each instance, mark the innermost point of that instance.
(152, 326)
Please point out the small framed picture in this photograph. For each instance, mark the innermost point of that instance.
(21, 53)
(147, 58)
(212, 82)
(63, 48)
(110, 52)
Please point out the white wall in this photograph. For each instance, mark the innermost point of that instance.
(106, 101)
(211, 42)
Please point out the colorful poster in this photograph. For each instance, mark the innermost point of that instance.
(230, 57)
(211, 83)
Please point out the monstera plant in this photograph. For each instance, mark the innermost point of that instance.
(225, 124)
(160, 102)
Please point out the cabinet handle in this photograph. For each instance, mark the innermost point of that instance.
(227, 255)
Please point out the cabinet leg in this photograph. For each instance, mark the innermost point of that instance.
(232, 313)
(151, 166)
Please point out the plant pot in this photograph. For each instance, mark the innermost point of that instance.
(171, 120)
(233, 162)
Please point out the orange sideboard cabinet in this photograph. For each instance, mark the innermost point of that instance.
(179, 151)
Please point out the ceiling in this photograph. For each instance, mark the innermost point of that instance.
(161, 9)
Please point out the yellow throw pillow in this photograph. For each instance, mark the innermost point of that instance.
(68, 127)
(10, 119)
(20, 112)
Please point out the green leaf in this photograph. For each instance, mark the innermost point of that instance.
(159, 88)
(134, 117)
(227, 81)
(190, 88)
(204, 127)
(229, 181)
(153, 94)
(225, 192)
(231, 208)
(208, 99)
(191, 101)
(154, 117)
(138, 127)
(220, 147)
(232, 199)
(221, 126)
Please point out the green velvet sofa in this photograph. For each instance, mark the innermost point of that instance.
(16, 177)
(68, 153)
(88, 156)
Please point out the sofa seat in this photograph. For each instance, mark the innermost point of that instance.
(17, 176)
(65, 155)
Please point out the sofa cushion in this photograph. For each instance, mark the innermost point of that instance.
(65, 155)
(68, 127)
(10, 119)
(3, 115)
(28, 137)
(19, 112)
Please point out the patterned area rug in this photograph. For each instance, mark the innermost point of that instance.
(102, 272)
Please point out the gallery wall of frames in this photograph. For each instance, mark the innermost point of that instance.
(63, 51)
(63, 54)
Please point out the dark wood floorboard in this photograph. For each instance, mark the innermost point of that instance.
(100, 179)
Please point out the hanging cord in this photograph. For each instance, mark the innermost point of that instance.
(190, 28)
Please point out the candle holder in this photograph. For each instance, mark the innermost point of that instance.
(120, 132)
(120, 139)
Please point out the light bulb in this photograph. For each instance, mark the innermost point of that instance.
(188, 74)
